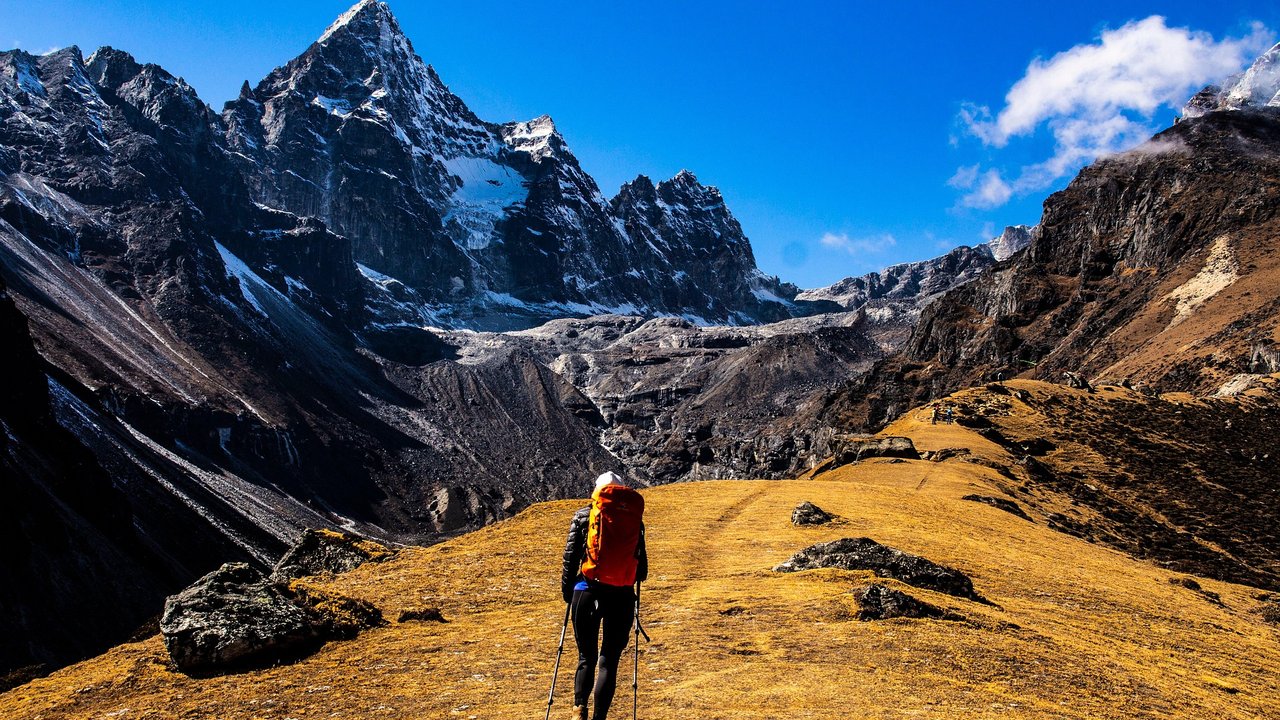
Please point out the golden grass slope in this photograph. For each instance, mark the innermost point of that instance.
(1079, 631)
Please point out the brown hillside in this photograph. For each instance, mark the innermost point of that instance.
(1077, 630)
(1192, 483)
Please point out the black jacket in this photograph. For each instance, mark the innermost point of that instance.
(575, 549)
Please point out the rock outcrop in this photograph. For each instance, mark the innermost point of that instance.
(853, 448)
(867, 554)
(236, 618)
(1008, 506)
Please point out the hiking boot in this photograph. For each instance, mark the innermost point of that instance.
(579, 712)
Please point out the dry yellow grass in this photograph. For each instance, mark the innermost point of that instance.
(1079, 632)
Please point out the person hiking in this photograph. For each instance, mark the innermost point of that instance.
(933, 414)
(604, 558)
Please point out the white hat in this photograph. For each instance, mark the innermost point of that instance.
(609, 478)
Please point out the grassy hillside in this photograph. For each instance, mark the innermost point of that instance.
(1077, 630)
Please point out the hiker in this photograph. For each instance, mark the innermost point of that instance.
(951, 415)
(603, 559)
(933, 414)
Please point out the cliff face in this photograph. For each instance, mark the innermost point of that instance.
(89, 547)
(1155, 267)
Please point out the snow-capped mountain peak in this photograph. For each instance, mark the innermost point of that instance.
(1259, 86)
(362, 16)
(361, 133)
(18, 73)
(536, 137)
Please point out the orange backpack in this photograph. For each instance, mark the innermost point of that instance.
(613, 536)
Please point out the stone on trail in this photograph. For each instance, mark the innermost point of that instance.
(867, 554)
(806, 513)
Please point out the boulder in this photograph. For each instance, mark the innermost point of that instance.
(944, 454)
(853, 448)
(326, 551)
(806, 513)
(235, 617)
(879, 602)
(867, 554)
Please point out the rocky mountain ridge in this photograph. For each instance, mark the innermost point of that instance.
(1256, 87)
(893, 298)
(1154, 267)
(488, 226)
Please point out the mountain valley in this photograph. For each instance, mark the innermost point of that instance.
(347, 302)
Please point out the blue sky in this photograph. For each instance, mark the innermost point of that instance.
(844, 136)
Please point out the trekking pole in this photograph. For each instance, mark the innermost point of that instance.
(635, 666)
(551, 696)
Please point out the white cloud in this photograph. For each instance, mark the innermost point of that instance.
(984, 190)
(1100, 98)
(964, 178)
(870, 245)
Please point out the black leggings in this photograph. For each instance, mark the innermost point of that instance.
(615, 609)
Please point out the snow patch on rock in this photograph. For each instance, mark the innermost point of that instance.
(1219, 272)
